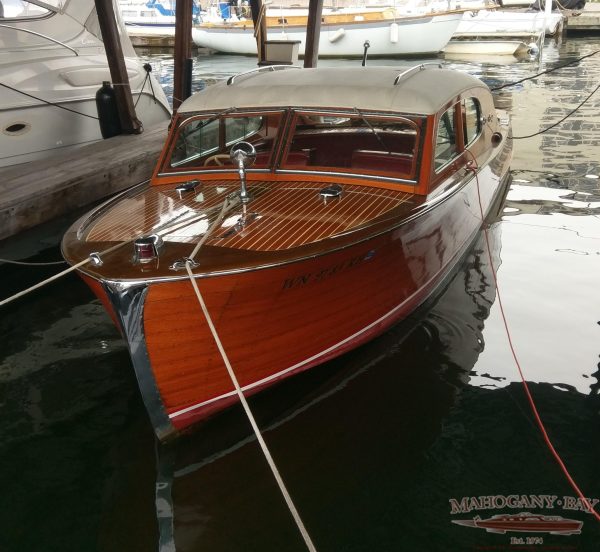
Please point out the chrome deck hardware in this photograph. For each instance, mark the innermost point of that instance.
(146, 249)
(180, 264)
(189, 186)
(335, 190)
(243, 154)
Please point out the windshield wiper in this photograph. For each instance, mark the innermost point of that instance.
(379, 138)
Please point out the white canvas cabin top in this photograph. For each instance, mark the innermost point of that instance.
(423, 89)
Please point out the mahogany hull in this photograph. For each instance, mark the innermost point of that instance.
(274, 322)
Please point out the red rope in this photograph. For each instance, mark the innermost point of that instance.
(472, 166)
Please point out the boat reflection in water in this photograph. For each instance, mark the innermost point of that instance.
(345, 435)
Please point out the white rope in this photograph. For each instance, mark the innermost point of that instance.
(227, 206)
(44, 282)
(23, 263)
(165, 228)
(259, 437)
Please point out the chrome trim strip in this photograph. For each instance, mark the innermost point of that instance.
(415, 69)
(231, 80)
(358, 176)
(205, 171)
(128, 303)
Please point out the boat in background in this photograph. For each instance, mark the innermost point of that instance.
(492, 47)
(312, 209)
(500, 24)
(488, 29)
(52, 64)
(344, 32)
(502, 32)
(152, 18)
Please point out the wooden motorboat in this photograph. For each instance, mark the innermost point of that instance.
(368, 186)
(524, 522)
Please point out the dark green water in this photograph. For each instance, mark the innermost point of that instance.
(376, 447)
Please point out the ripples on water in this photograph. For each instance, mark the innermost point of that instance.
(374, 445)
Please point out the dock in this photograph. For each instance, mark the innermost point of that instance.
(583, 21)
(152, 41)
(38, 191)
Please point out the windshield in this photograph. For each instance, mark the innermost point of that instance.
(21, 9)
(354, 143)
(205, 141)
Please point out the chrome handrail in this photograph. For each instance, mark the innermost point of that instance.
(40, 35)
(415, 69)
(231, 79)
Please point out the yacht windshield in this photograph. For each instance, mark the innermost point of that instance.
(204, 141)
(21, 9)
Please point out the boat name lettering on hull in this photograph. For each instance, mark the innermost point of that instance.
(323, 274)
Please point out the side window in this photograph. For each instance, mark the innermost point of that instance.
(197, 138)
(445, 142)
(471, 119)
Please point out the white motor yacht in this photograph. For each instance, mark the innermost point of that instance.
(52, 63)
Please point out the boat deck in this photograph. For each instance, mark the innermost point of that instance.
(272, 211)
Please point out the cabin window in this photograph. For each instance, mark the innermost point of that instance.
(205, 142)
(445, 142)
(241, 128)
(353, 143)
(21, 9)
(196, 139)
(471, 119)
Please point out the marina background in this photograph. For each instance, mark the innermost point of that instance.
(374, 445)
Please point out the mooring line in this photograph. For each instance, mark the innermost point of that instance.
(528, 394)
(563, 119)
(165, 228)
(23, 263)
(44, 282)
(546, 72)
(257, 432)
(227, 205)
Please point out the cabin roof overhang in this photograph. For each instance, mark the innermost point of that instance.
(420, 92)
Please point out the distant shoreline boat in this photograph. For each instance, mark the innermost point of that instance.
(151, 18)
(343, 32)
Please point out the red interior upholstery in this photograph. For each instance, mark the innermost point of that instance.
(337, 149)
(382, 161)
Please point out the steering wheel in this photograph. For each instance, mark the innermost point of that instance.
(217, 159)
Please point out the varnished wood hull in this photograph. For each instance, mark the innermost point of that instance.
(277, 321)
(319, 228)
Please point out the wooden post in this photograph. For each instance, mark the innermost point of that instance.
(259, 18)
(130, 124)
(182, 73)
(313, 31)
